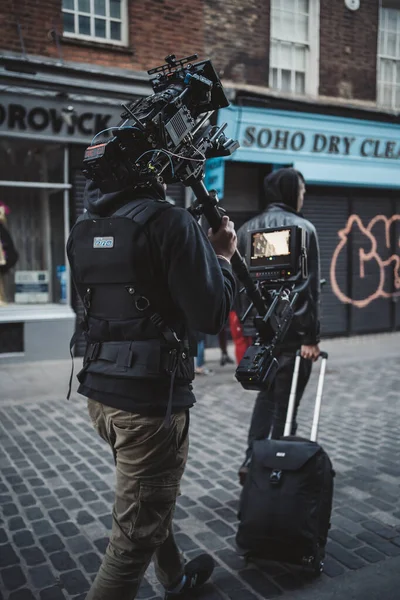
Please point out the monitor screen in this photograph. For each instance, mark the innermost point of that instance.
(270, 248)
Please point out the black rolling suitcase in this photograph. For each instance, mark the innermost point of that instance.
(286, 500)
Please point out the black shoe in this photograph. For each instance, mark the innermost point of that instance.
(197, 572)
(226, 360)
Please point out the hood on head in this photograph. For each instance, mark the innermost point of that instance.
(282, 187)
(103, 205)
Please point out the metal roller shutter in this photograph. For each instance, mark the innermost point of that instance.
(396, 250)
(329, 215)
(370, 314)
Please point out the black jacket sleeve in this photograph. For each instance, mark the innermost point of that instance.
(311, 318)
(202, 285)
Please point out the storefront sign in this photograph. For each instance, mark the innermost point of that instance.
(214, 176)
(319, 143)
(46, 117)
(326, 149)
(31, 287)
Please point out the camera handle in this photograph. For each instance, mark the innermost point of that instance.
(209, 205)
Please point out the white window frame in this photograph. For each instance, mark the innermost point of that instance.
(382, 57)
(312, 51)
(92, 38)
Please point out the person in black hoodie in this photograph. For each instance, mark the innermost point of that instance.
(188, 283)
(284, 195)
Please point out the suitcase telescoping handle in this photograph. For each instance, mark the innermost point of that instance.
(292, 398)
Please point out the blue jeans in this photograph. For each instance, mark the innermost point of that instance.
(200, 354)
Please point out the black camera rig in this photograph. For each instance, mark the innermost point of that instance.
(277, 259)
(167, 137)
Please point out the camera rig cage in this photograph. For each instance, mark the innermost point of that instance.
(167, 137)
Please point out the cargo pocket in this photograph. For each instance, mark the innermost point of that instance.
(155, 511)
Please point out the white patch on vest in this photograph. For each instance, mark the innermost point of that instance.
(103, 242)
(281, 454)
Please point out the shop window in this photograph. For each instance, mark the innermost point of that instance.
(388, 85)
(96, 20)
(294, 46)
(32, 216)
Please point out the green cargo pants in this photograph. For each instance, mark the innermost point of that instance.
(150, 460)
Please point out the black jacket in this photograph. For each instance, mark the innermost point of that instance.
(305, 326)
(201, 286)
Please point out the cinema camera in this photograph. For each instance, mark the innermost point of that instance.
(168, 137)
(277, 261)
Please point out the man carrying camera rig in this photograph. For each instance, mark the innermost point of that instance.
(138, 370)
(284, 191)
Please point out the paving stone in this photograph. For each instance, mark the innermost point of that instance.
(52, 593)
(101, 544)
(58, 515)
(210, 540)
(22, 594)
(98, 508)
(370, 554)
(71, 503)
(52, 543)
(345, 540)
(232, 559)
(74, 581)
(62, 561)
(42, 576)
(224, 580)
(9, 509)
(23, 538)
(83, 517)
(210, 502)
(380, 544)
(8, 556)
(220, 528)
(107, 521)
(90, 562)
(34, 513)
(13, 578)
(33, 556)
(49, 502)
(260, 583)
(79, 544)
(67, 529)
(42, 527)
(16, 523)
(62, 492)
(386, 532)
(348, 559)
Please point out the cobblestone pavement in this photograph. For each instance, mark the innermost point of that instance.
(56, 486)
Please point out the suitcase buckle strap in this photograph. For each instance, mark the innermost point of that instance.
(275, 477)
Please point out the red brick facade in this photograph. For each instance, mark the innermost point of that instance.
(234, 33)
(348, 47)
(156, 28)
(237, 39)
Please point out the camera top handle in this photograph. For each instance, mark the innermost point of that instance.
(208, 202)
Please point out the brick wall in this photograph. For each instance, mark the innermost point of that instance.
(348, 49)
(156, 28)
(237, 39)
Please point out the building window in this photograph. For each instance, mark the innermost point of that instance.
(35, 205)
(96, 20)
(389, 55)
(294, 49)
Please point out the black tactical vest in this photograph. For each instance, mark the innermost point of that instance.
(132, 326)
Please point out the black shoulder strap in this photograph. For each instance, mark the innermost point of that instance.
(142, 210)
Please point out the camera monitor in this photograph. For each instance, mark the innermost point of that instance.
(276, 254)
